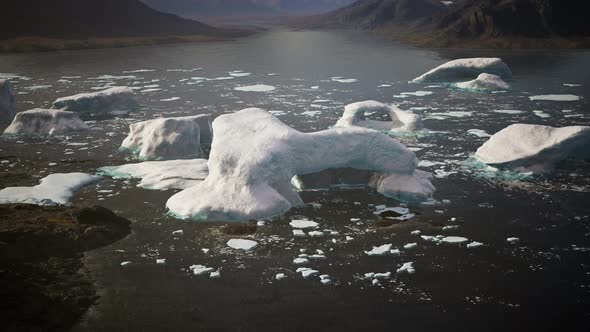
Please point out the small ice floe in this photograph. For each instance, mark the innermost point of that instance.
(300, 260)
(411, 245)
(215, 275)
(161, 261)
(315, 234)
(54, 189)
(450, 227)
(112, 99)
(256, 88)
(478, 133)
(395, 252)
(508, 111)
(380, 250)
(454, 239)
(355, 116)
(416, 232)
(162, 175)
(417, 93)
(280, 276)
(178, 232)
(344, 80)
(571, 85)
(534, 148)
(395, 213)
(484, 82)
(474, 244)
(126, 263)
(200, 269)
(461, 68)
(325, 279)
(167, 138)
(170, 99)
(205, 250)
(307, 272)
(303, 224)
(512, 239)
(239, 73)
(451, 114)
(298, 233)
(311, 113)
(555, 97)
(38, 87)
(242, 244)
(407, 267)
(45, 122)
(541, 114)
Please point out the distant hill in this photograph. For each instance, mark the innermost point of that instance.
(469, 23)
(244, 8)
(92, 18)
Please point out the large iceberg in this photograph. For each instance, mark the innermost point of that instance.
(534, 148)
(52, 190)
(254, 156)
(162, 175)
(169, 138)
(484, 82)
(465, 68)
(7, 101)
(119, 98)
(40, 121)
(355, 116)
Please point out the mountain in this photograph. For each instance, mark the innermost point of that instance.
(244, 8)
(93, 18)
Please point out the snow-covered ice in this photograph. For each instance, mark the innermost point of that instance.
(200, 269)
(534, 148)
(242, 244)
(465, 68)
(256, 88)
(54, 189)
(407, 267)
(162, 175)
(7, 101)
(555, 97)
(354, 115)
(512, 239)
(474, 244)
(167, 138)
(380, 250)
(45, 122)
(344, 80)
(254, 156)
(454, 239)
(119, 98)
(484, 82)
(303, 223)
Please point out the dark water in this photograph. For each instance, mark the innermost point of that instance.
(541, 282)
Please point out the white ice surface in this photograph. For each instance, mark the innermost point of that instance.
(242, 244)
(255, 88)
(354, 116)
(45, 122)
(465, 68)
(113, 99)
(484, 82)
(556, 97)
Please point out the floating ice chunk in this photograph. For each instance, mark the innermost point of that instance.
(474, 244)
(215, 275)
(298, 233)
(7, 101)
(113, 99)
(162, 175)
(512, 239)
(167, 138)
(256, 88)
(170, 99)
(239, 73)
(178, 232)
(454, 239)
(407, 267)
(354, 115)
(307, 272)
(478, 133)
(484, 82)
(54, 189)
(395, 252)
(45, 122)
(465, 68)
(126, 263)
(411, 245)
(300, 260)
(509, 111)
(571, 85)
(254, 156)
(385, 275)
(417, 93)
(379, 251)
(556, 97)
(242, 244)
(303, 224)
(416, 232)
(384, 86)
(534, 148)
(315, 234)
(161, 261)
(344, 80)
(200, 269)
(280, 276)
(541, 114)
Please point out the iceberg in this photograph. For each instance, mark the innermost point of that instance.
(254, 156)
(162, 175)
(169, 138)
(354, 116)
(484, 82)
(465, 68)
(40, 121)
(52, 190)
(119, 98)
(7, 101)
(534, 148)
